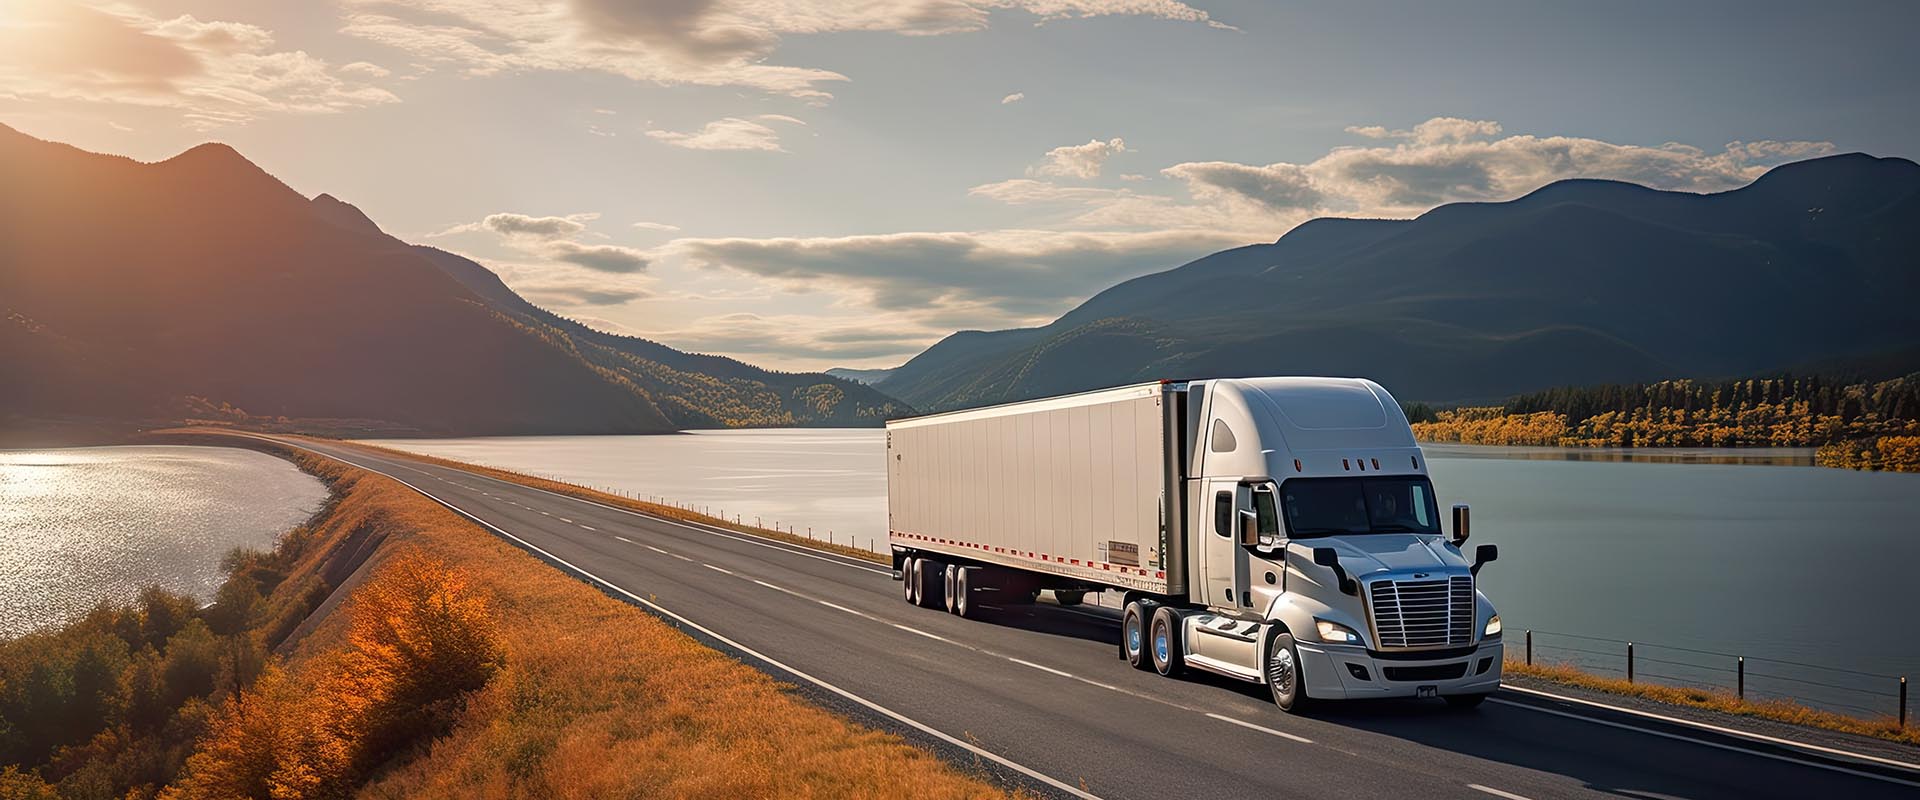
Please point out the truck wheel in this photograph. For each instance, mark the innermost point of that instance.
(1133, 635)
(1069, 598)
(948, 592)
(963, 594)
(907, 580)
(1283, 674)
(1465, 701)
(928, 576)
(1168, 658)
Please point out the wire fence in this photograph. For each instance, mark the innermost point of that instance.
(1849, 691)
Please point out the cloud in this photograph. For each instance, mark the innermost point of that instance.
(800, 337)
(539, 227)
(1019, 272)
(1013, 98)
(563, 286)
(655, 226)
(731, 133)
(697, 42)
(1279, 186)
(215, 73)
(601, 257)
(1079, 160)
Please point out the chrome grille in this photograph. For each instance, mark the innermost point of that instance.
(1414, 614)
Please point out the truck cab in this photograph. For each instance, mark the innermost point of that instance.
(1316, 559)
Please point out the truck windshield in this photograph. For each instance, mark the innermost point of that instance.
(1338, 506)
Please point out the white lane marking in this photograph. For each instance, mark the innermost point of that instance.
(933, 636)
(780, 588)
(545, 514)
(759, 541)
(1260, 728)
(565, 520)
(777, 664)
(1041, 667)
(1908, 765)
(623, 538)
(1666, 735)
(838, 607)
(590, 527)
(718, 569)
(667, 553)
(1497, 793)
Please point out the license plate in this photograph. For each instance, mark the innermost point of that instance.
(1427, 691)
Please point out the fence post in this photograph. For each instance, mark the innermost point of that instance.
(1529, 647)
(1903, 701)
(1629, 662)
(1740, 667)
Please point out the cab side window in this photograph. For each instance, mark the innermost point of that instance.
(1223, 513)
(1222, 437)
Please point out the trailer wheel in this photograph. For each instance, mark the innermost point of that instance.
(929, 575)
(907, 580)
(1133, 635)
(1283, 674)
(1168, 656)
(948, 592)
(963, 594)
(1069, 598)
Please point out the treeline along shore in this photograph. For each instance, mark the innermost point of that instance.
(1869, 425)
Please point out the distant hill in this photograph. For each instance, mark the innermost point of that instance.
(148, 291)
(1580, 282)
(866, 376)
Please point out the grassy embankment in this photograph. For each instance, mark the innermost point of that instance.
(1874, 426)
(391, 648)
(1718, 701)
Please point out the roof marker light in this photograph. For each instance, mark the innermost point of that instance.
(1296, 466)
(1415, 460)
(1376, 464)
(1344, 464)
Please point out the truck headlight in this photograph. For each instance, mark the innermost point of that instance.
(1335, 632)
(1493, 627)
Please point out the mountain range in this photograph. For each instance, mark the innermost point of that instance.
(202, 284)
(1579, 282)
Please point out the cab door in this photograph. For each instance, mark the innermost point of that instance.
(1224, 563)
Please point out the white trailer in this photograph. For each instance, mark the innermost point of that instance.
(1277, 530)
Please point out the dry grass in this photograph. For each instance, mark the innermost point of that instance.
(1714, 700)
(597, 698)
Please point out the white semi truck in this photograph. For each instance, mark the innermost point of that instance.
(1276, 530)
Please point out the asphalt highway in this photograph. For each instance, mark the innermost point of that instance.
(1037, 694)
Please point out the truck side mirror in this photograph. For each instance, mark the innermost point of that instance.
(1249, 528)
(1462, 524)
(1483, 555)
(1330, 558)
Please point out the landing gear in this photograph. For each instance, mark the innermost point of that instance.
(1067, 598)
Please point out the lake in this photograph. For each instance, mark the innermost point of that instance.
(1749, 552)
(80, 526)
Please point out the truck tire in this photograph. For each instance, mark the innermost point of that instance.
(1133, 634)
(906, 579)
(948, 593)
(1069, 598)
(929, 577)
(1465, 701)
(1165, 642)
(963, 594)
(1282, 672)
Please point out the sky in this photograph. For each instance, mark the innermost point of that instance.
(810, 184)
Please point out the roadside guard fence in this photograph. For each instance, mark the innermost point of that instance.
(1848, 691)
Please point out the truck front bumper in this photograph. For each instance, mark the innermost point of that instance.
(1340, 672)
